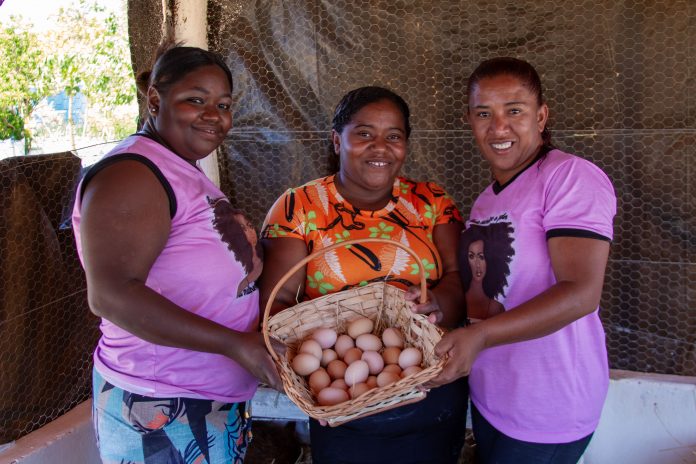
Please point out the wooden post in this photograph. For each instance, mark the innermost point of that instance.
(191, 27)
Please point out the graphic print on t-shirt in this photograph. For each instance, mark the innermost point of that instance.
(485, 253)
(239, 235)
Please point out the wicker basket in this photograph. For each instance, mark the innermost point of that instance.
(379, 301)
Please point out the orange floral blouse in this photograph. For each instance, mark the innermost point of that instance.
(319, 215)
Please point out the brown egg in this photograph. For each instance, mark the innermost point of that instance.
(393, 337)
(305, 364)
(410, 357)
(393, 368)
(368, 342)
(352, 355)
(325, 336)
(330, 396)
(356, 372)
(374, 360)
(327, 356)
(336, 369)
(339, 383)
(360, 326)
(318, 380)
(410, 370)
(387, 378)
(371, 381)
(391, 355)
(312, 347)
(343, 343)
(358, 389)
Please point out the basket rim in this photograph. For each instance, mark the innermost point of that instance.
(316, 253)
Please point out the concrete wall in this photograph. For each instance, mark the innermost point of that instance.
(647, 419)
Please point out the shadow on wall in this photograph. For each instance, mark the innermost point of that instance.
(47, 331)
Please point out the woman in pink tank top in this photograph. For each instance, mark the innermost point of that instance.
(171, 269)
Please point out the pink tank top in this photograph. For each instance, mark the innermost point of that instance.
(205, 268)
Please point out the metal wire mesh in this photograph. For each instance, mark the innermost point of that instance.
(47, 331)
(619, 79)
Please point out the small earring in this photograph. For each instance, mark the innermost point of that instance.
(153, 110)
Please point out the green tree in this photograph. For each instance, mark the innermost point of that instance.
(89, 52)
(24, 80)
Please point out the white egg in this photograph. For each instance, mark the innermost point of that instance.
(374, 360)
(326, 337)
(368, 342)
(410, 357)
(343, 343)
(357, 372)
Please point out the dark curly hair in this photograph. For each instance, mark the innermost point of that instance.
(497, 249)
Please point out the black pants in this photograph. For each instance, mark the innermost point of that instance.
(430, 431)
(494, 447)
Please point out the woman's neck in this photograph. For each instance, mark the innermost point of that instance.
(368, 200)
(149, 130)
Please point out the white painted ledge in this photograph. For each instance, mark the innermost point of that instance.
(647, 419)
(68, 439)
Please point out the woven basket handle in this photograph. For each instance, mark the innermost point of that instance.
(306, 259)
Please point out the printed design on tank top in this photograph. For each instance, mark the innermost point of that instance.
(485, 253)
(240, 236)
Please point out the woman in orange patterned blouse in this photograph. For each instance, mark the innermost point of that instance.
(368, 198)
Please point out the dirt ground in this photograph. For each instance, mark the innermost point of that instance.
(279, 444)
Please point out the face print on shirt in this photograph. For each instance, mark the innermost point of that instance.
(485, 252)
(240, 236)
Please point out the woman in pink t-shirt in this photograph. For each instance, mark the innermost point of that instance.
(538, 369)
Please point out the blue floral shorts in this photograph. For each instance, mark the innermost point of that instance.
(135, 429)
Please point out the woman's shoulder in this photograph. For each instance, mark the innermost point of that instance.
(557, 158)
(419, 191)
(429, 199)
(312, 185)
(559, 163)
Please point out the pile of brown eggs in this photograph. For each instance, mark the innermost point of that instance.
(339, 367)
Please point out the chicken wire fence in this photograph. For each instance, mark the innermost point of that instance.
(619, 78)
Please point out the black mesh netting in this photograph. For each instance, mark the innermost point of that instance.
(619, 78)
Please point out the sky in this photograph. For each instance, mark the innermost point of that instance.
(39, 11)
(34, 10)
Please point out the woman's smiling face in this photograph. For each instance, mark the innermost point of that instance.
(507, 121)
(372, 147)
(194, 115)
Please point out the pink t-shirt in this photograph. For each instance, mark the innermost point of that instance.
(202, 269)
(551, 389)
